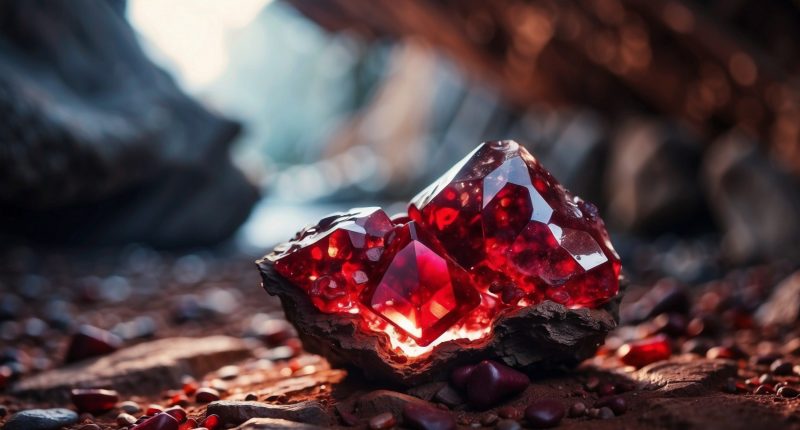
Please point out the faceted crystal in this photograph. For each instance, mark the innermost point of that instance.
(334, 260)
(502, 216)
(422, 291)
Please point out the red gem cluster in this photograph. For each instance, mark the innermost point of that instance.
(494, 233)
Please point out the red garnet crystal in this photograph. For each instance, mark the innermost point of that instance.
(499, 213)
(333, 260)
(422, 291)
(487, 255)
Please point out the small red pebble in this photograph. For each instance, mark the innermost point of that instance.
(91, 341)
(179, 399)
(722, 352)
(206, 395)
(94, 400)
(158, 422)
(460, 375)
(177, 412)
(544, 414)
(490, 382)
(153, 410)
(211, 422)
(189, 424)
(615, 403)
(646, 351)
(189, 385)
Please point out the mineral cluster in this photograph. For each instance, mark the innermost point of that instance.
(495, 239)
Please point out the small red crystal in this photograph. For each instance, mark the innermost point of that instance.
(422, 291)
(94, 400)
(333, 260)
(643, 352)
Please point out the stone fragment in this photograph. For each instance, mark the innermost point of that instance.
(643, 352)
(90, 342)
(686, 375)
(139, 369)
(490, 382)
(235, 412)
(159, 422)
(424, 417)
(545, 413)
(276, 424)
(94, 400)
(41, 419)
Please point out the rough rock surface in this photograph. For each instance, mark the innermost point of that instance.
(687, 376)
(535, 338)
(142, 368)
(41, 419)
(276, 424)
(234, 412)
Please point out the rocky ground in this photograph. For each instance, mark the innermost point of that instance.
(195, 334)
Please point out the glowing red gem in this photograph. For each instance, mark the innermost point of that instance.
(334, 260)
(646, 351)
(501, 215)
(422, 291)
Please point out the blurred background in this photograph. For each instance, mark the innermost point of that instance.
(211, 128)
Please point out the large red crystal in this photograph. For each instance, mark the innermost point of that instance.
(501, 215)
(494, 233)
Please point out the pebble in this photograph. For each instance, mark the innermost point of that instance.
(206, 395)
(509, 412)
(382, 421)
(577, 410)
(763, 389)
(250, 397)
(460, 376)
(508, 424)
(211, 422)
(545, 413)
(130, 407)
(615, 403)
(781, 368)
(605, 413)
(94, 400)
(491, 382)
(788, 392)
(424, 417)
(41, 419)
(158, 422)
(448, 396)
(124, 419)
(91, 341)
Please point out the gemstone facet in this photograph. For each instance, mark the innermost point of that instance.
(422, 291)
